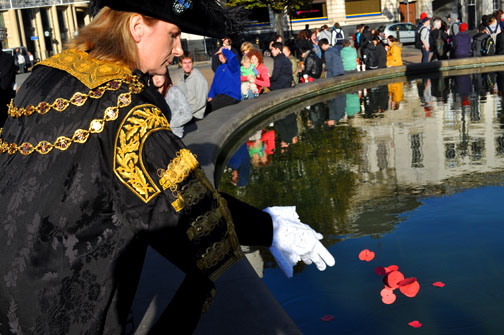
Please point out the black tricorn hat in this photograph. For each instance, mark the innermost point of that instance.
(200, 17)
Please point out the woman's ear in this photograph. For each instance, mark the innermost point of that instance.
(136, 25)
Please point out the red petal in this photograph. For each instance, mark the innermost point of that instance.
(393, 278)
(410, 290)
(386, 292)
(388, 296)
(407, 281)
(363, 254)
(415, 324)
(327, 318)
(380, 271)
(389, 299)
(439, 284)
(366, 255)
(391, 268)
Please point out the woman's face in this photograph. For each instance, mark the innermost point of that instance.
(254, 60)
(157, 45)
(158, 80)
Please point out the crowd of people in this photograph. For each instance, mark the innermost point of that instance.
(241, 74)
(444, 39)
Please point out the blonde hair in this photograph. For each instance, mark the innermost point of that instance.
(246, 47)
(245, 59)
(108, 37)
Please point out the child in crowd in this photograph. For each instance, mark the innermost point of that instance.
(248, 88)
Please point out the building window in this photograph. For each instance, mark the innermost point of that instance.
(451, 155)
(416, 151)
(496, 4)
(358, 8)
(499, 147)
(477, 147)
(259, 17)
(313, 12)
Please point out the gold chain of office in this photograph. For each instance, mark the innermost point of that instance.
(78, 99)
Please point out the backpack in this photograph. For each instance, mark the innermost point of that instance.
(452, 31)
(488, 46)
(439, 44)
(337, 36)
(418, 40)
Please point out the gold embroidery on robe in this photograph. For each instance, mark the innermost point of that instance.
(140, 122)
(176, 172)
(90, 71)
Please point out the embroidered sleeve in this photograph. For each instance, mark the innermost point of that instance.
(129, 167)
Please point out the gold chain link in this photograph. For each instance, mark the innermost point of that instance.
(78, 99)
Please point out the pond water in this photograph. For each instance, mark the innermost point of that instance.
(412, 171)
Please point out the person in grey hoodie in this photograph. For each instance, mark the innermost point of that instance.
(453, 25)
(193, 84)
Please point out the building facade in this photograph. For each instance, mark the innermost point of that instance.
(42, 26)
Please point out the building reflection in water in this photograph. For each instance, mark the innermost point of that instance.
(343, 159)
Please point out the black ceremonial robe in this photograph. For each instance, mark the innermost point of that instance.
(90, 175)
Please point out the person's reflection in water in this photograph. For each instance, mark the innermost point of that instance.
(317, 115)
(425, 93)
(261, 147)
(463, 87)
(376, 101)
(440, 88)
(500, 90)
(336, 107)
(489, 80)
(240, 166)
(287, 131)
(352, 105)
(396, 94)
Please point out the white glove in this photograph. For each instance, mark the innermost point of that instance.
(294, 241)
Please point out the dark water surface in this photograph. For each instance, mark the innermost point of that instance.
(411, 171)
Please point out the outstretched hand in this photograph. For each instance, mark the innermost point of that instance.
(294, 241)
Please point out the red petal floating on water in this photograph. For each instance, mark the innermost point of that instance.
(415, 324)
(410, 290)
(366, 255)
(370, 256)
(388, 296)
(327, 318)
(407, 281)
(439, 284)
(391, 268)
(389, 300)
(380, 271)
(362, 254)
(387, 291)
(393, 278)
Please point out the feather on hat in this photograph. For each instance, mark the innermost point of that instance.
(207, 18)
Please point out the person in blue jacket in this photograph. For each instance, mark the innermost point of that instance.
(332, 57)
(226, 85)
(462, 43)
